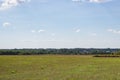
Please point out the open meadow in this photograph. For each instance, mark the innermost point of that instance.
(59, 67)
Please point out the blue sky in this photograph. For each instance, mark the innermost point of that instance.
(59, 24)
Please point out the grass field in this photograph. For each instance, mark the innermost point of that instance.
(59, 67)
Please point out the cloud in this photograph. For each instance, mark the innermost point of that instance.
(6, 24)
(38, 31)
(33, 31)
(41, 30)
(93, 34)
(98, 1)
(92, 1)
(114, 31)
(6, 4)
(77, 30)
(77, 0)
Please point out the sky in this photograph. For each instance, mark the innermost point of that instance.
(59, 24)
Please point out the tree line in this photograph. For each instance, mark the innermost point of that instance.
(62, 51)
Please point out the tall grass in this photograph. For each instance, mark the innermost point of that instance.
(59, 67)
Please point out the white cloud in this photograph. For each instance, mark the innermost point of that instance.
(114, 31)
(6, 24)
(28, 0)
(38, 31)
(6, 4)
(77, 0)
(77, 30)
(99, 1)
(110, 30)
(41, 30)
(92, 1)
(33, 31)
(93, 34)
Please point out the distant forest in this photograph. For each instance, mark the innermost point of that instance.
(62, 51)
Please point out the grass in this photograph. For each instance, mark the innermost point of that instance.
(59, 67)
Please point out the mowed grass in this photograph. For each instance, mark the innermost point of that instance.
(59, 67)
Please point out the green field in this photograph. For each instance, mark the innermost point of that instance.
(59, 67)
